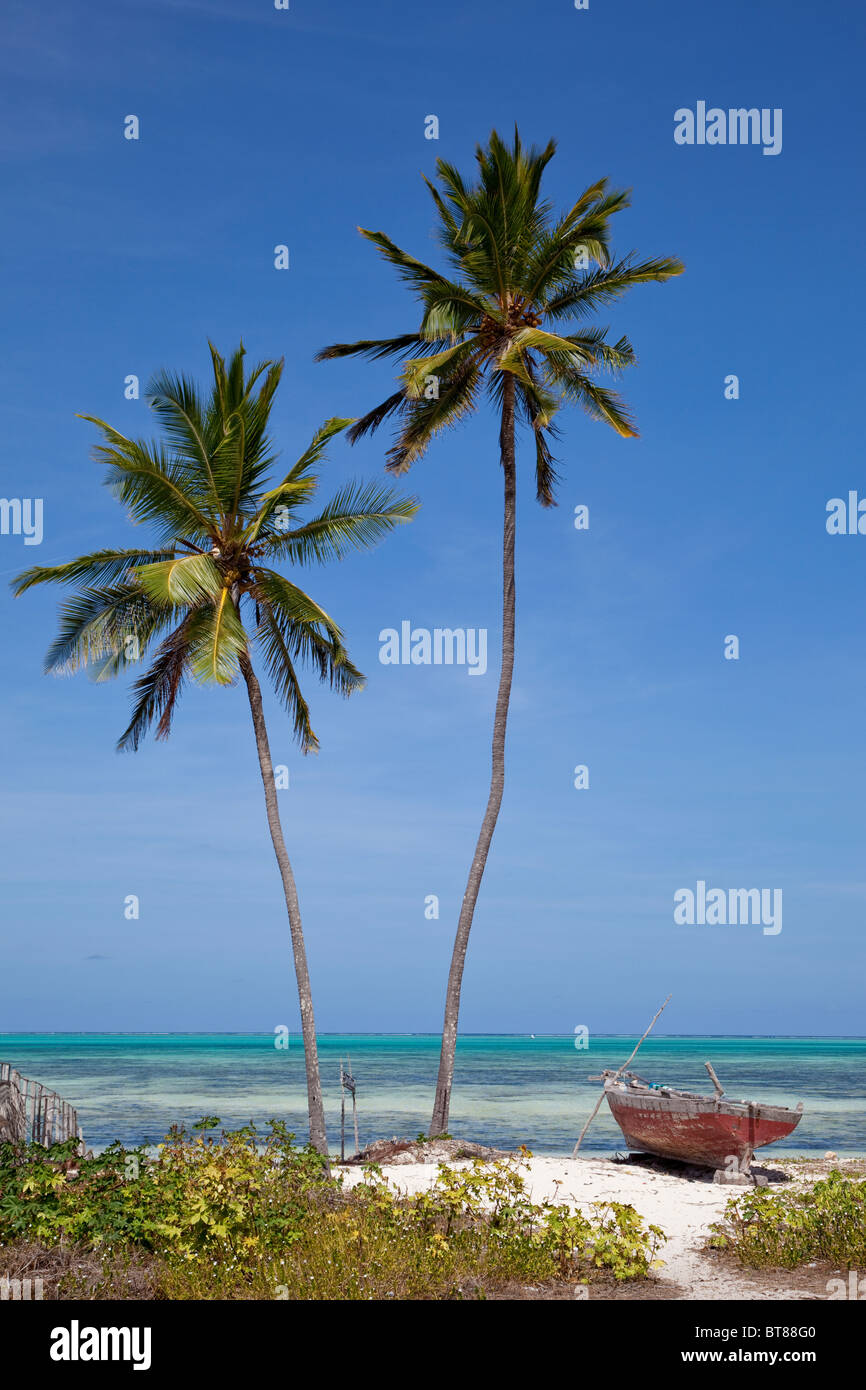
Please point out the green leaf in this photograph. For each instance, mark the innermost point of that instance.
(101, 567)
(357, 518)
(300, 482)
(216, 647)
(184, 580)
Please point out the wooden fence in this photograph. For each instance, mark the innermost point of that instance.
(50, 1119)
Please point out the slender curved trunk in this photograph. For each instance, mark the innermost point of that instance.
(318, 1134)
(442, 1103)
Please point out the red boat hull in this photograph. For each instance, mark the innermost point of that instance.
(697, 1129)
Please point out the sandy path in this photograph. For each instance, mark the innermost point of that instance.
(683, 1207)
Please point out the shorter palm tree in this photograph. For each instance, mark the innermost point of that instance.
(208, 594)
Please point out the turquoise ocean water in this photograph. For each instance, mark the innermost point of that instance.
(508, 1090)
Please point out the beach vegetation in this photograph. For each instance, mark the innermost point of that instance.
(824, 1221)
(249, 1214)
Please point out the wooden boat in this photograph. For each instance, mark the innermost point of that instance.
(711, 1131)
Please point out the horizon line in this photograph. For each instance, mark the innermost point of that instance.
(253, 1033)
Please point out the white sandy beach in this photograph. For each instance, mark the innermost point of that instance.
(684, 1208)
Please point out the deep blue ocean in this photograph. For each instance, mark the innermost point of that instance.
(508, 1090)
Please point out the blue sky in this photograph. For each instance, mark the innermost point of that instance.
(261, 127)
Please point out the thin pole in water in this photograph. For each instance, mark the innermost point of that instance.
(617, 1073)
(354, 1110)
(342, 1115)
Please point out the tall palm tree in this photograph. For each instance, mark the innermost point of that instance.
(493, 323)
(208, 594)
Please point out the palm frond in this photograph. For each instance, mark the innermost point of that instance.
(323, 653)
(242, 453)
(101, 567)
(153, 487)
(293, 628)
(159, 689)
(606, 284)
(572, 351)
(598, 402)
(370, 422)
(614, 357)
(447, 229)
(419, 370)
(538, 405)
(217, 642)
(451, 310)
(415, 272)
(356, 518)
(176, 402)
(283, 678)
(553, 259)
(185, 580)
(300, 483)
(96, 624)
(373, 348)
(295, 606)
(424, 418)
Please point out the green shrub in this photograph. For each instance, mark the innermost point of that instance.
(244, 1215)
(228, 1193)
(786, 1229)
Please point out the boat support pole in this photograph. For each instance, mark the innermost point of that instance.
(615, 1075)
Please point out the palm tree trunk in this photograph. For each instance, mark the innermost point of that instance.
(318, 1134)
(442, 1103)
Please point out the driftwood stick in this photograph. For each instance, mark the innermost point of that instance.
(617, 1073)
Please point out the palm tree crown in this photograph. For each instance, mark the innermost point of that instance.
(209, 591)
(518, 275)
